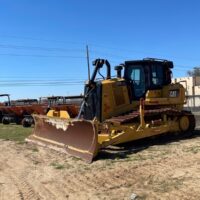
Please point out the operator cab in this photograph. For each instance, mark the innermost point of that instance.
(147, 74)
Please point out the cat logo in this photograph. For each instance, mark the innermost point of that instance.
(173, 93)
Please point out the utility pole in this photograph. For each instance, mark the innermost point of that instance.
(88, 62)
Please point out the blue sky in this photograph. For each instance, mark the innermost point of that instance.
(42, 43)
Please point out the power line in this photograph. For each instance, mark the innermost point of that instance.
(141, 52)
(91, 44)
(41, 56)
(40, 39)
(23, 81)
(20, 47)
(94, 52)
(42, 80)
(38, 84)
(59, 49)
(68, 56)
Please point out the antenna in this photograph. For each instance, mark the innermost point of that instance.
(88, 62)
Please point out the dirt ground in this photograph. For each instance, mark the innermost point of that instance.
(152, 169)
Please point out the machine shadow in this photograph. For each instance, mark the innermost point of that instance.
(122, 151)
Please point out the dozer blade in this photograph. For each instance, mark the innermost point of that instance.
(76, 137)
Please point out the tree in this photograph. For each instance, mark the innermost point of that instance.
(194, 72)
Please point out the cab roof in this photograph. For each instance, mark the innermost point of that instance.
(164, 62)
(4, 95)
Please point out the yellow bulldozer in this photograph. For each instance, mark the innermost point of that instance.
(140, 103)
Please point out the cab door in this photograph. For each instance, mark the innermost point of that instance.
(136, 75)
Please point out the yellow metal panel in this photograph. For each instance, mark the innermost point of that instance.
(61, 114)
(170, 95)
(131, 132)
(154, 94)
(115, 98)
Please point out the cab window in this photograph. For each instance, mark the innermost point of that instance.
(157, 75)
(136, 74)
